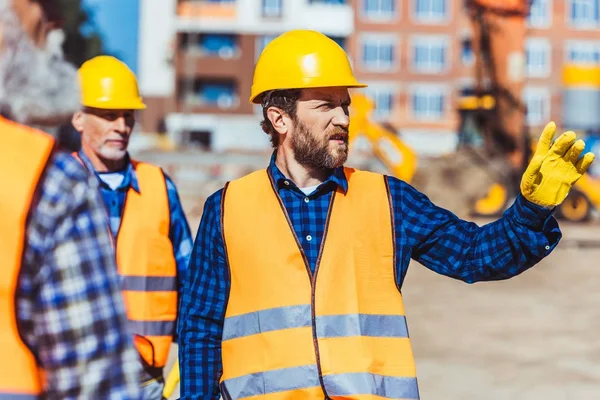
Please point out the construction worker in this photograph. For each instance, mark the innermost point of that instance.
(63, 331)
(153, 239)
(293, 287)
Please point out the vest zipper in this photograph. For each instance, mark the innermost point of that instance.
(312, 277)
(314, 289)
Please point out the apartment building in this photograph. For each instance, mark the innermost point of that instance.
(215, 45)
(197, 60)
(410, 53)
(560, 32)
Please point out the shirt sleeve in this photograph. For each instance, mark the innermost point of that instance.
(69, 306)
(202, 310)
(460, 249)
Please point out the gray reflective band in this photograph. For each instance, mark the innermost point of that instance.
(152, 328)
(361, 325)
(279, 380)
(272, 319)
(366, 383)
(18, 396)
(148, 283)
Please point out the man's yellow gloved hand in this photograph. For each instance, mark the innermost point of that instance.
(554, 168)
(172, 381)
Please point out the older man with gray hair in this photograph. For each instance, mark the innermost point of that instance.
(63, 328)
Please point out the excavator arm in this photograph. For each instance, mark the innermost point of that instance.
(397, 157)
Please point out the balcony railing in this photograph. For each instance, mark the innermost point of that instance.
(200, 9)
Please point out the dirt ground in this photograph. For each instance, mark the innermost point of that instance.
(534, 337)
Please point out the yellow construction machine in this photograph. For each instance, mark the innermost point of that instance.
(396, 156)
(482, 177)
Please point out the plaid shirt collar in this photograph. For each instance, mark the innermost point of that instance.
(336, 178)
(130, 175)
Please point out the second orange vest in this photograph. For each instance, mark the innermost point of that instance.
(147, 266)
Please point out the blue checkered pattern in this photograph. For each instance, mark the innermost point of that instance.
(69, 306)
(432, 236)
(114, 200)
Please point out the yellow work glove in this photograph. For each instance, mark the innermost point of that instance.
(554, 168)
(172, 380)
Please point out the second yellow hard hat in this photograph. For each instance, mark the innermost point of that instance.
(302, 59)
(108, 83)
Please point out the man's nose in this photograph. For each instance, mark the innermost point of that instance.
(341, 118)
(121, 125)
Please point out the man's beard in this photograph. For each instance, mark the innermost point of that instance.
(314, 153)
(37, 87)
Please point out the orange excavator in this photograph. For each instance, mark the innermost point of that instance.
(498, 114)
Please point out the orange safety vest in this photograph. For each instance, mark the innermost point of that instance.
(147, 265)
(340, 333)
(24, 153)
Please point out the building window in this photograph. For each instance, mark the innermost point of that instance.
(540, 14)
(537, 101)
(222, 45)
(537, 56)
(383, 95)
(430, 54)
(585, 52)
(466, 52)
(431, 11)
(339, 40)
(328, 1)
(379, 52)
(379, 10)
(428, 102)
(222, 94)
(262, 42)
(584, 13)
(272, 8)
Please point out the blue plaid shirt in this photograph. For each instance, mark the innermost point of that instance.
(114, 201)
(69, 307)
(430, 235)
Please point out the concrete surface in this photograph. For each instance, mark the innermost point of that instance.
(534, 337)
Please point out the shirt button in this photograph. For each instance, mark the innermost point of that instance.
(547, 247)
(306, 199)
(286, 183)
(309, 238)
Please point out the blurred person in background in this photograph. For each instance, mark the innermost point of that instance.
(147, 221)
(293, 289)
(63, 328)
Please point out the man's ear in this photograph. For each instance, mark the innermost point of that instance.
(278, 120)
(77, 121)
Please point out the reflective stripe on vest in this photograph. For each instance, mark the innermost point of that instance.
(342, 332)
(14, 396)
(147, 265)
(24, 153)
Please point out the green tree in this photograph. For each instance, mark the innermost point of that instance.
(82, 41)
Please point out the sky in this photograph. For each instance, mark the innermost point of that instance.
(117, 22)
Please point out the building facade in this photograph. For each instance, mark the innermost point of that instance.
(197, 59)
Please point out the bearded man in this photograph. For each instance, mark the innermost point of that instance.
(293, 288)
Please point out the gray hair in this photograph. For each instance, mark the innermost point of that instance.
(37, 86)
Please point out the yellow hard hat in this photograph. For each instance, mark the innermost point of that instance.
(108, 83)
(301, 59)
